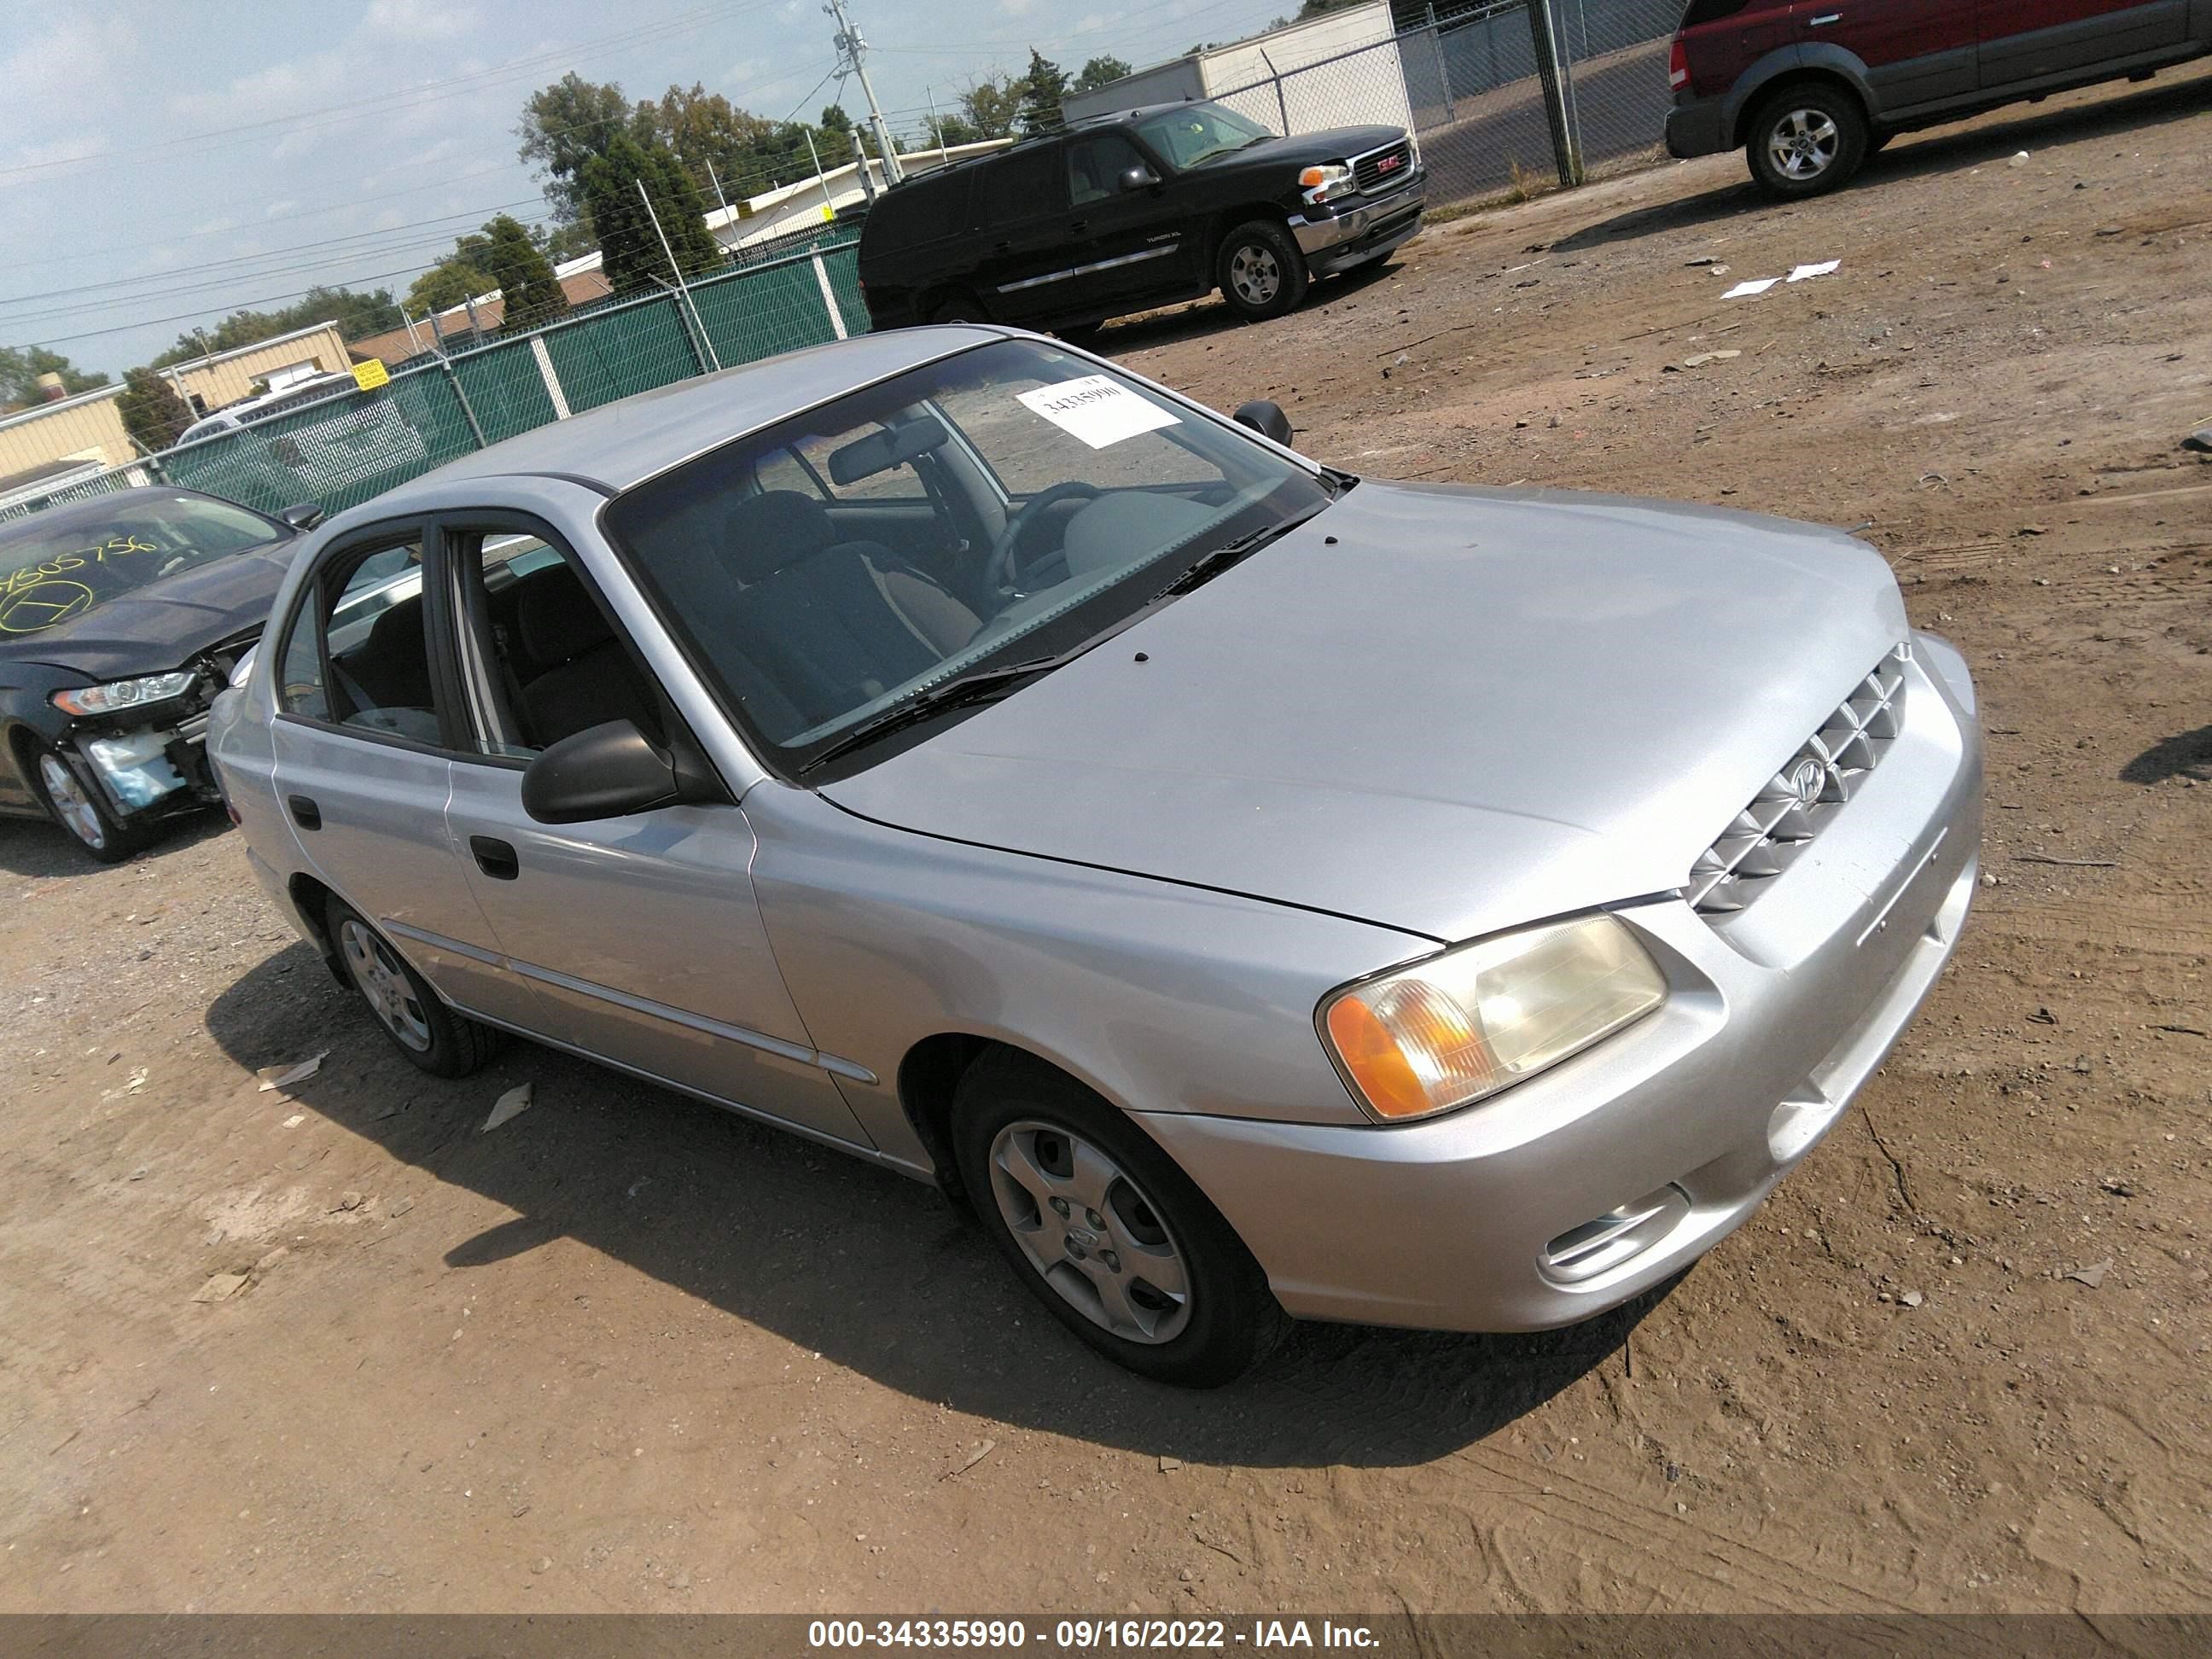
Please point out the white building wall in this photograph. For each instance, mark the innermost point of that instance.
(1353, 76)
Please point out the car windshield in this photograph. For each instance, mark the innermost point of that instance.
(1003, 505)
(53, 575)
(1197, 133)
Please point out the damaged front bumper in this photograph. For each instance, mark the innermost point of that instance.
(151, 763)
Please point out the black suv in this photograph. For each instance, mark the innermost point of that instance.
(1121, 212)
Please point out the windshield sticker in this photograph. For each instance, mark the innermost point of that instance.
(1096, 409)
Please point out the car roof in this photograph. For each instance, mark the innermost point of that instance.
(621, 444)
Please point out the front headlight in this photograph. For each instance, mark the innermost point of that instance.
(1446, 1032)
(118, 694)
(1326, 183)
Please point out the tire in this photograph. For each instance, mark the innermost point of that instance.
(959, 308)
(1806, 139)
(1142, 1267)
(429, 1034)
(1260, 272)
(76, 805)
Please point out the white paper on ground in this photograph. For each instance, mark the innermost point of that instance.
(1098, 409)
(516, 1099)
(1804, 271)
(1756, 285)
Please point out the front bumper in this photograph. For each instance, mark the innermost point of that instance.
(146, 772)
(1696, 129)
(1585, 1186)
(1333, 239)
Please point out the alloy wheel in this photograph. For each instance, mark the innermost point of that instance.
(1255, 275)
(1090, 1231)
(75, 809)
(1803, 144)
(382, 980)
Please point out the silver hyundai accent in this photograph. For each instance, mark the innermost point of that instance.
(1257, 891)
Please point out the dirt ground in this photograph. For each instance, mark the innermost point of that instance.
(626, 1353)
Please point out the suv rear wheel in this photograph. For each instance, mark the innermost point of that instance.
(1260, 270)
(1806, 139)
(959, 308)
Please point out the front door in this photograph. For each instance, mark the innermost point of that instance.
(363, 772)
(1127, 251)
(2025, 40)
(639, 935)
(1021, 204)
(1916, 52)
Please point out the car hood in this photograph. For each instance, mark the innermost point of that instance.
(1311, 148)
(165, 623)
(1442, 709)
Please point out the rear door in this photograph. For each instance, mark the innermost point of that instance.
(1916, 52)
(2026, 40)
(1021, 205)
(1131, 246)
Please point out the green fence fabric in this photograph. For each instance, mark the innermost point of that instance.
(345, 450)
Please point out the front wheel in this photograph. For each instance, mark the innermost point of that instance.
(1805, 140)
(1105, 1231)
(429, 1034)
(74, 803)
(1260, 270)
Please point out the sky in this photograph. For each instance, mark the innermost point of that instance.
(162, 164)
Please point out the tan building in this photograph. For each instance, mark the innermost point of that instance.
(224, 377)
(85, 428)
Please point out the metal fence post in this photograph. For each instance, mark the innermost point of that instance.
(1558, 93)
(1444, 72)
(462, 397)
(828, 296)
(1282, 104)
(545, 372)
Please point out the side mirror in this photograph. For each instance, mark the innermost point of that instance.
(607, 771)
(1264, 418)
(302, 515)
(1140, 177)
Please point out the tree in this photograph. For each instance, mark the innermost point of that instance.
(153, 414)
(1041, 89)
(956, 129)
(19, 370)
(568, 242)
(454, 279)
(564, 125)
(989, 104)
(1102, 71)
(629, 244)
(357, 316)
(834, 137)
(531, 295)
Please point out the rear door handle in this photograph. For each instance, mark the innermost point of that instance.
(1079, 226)
(496, 858)
(305, 812)
(1826, 18)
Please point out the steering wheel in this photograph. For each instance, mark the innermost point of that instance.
(999, 569)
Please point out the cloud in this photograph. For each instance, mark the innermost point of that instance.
(1014, 8)
(417, 20)
(60, 76)
(278, 209)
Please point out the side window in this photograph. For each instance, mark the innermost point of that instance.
(358, 655)
(780, 469)
(553, 664)
(1095, 167)
(1022, 184)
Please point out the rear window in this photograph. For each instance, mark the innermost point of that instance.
(1022, 184)
(920, 209)
(1712, 11)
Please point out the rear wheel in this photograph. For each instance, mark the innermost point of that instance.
(74, 803)
(417, 1019)
(1105, 1231)
(959, 308)
(1260, 270)
(1806, 139)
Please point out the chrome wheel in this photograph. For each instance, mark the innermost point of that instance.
(1255, 274)
(1090, 1231)
(382, 979)
(79, 816)
(1803, 144)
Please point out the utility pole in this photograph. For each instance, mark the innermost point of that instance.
(853, 51)
(937, 124)
(720, 201)
(829, 206)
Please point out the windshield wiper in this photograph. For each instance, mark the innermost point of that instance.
(971, 686)
(1207, 566)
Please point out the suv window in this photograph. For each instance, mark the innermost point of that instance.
(1095, 164)
(923, 207)
(1710, 11)
(358, 655)
(1022, 184)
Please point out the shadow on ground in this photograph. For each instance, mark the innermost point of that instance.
(1940, 150)
(1210, 316)
(37, 846)
(2189, 755)
(875, 1272)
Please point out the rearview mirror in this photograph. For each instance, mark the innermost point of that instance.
(1264, 418)
(1140, 177)
(607, 771)
(302, 515)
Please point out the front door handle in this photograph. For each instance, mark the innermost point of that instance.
(305, 812)
(1826, 18)
(496, 858)
(1079, 226)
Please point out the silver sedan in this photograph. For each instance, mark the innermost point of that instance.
(1257, 891)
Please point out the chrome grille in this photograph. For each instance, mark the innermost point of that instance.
(1814, 785)
(1384, 168)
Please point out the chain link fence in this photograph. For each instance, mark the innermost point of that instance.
(1476, 86)
(341, 451)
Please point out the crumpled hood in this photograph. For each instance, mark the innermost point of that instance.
(165, 623)
(1442, 709)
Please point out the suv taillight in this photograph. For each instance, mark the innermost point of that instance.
(1677, 65)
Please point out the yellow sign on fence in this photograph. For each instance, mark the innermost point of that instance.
(371, 375)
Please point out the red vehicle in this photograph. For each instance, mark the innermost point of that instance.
(1808, 91)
